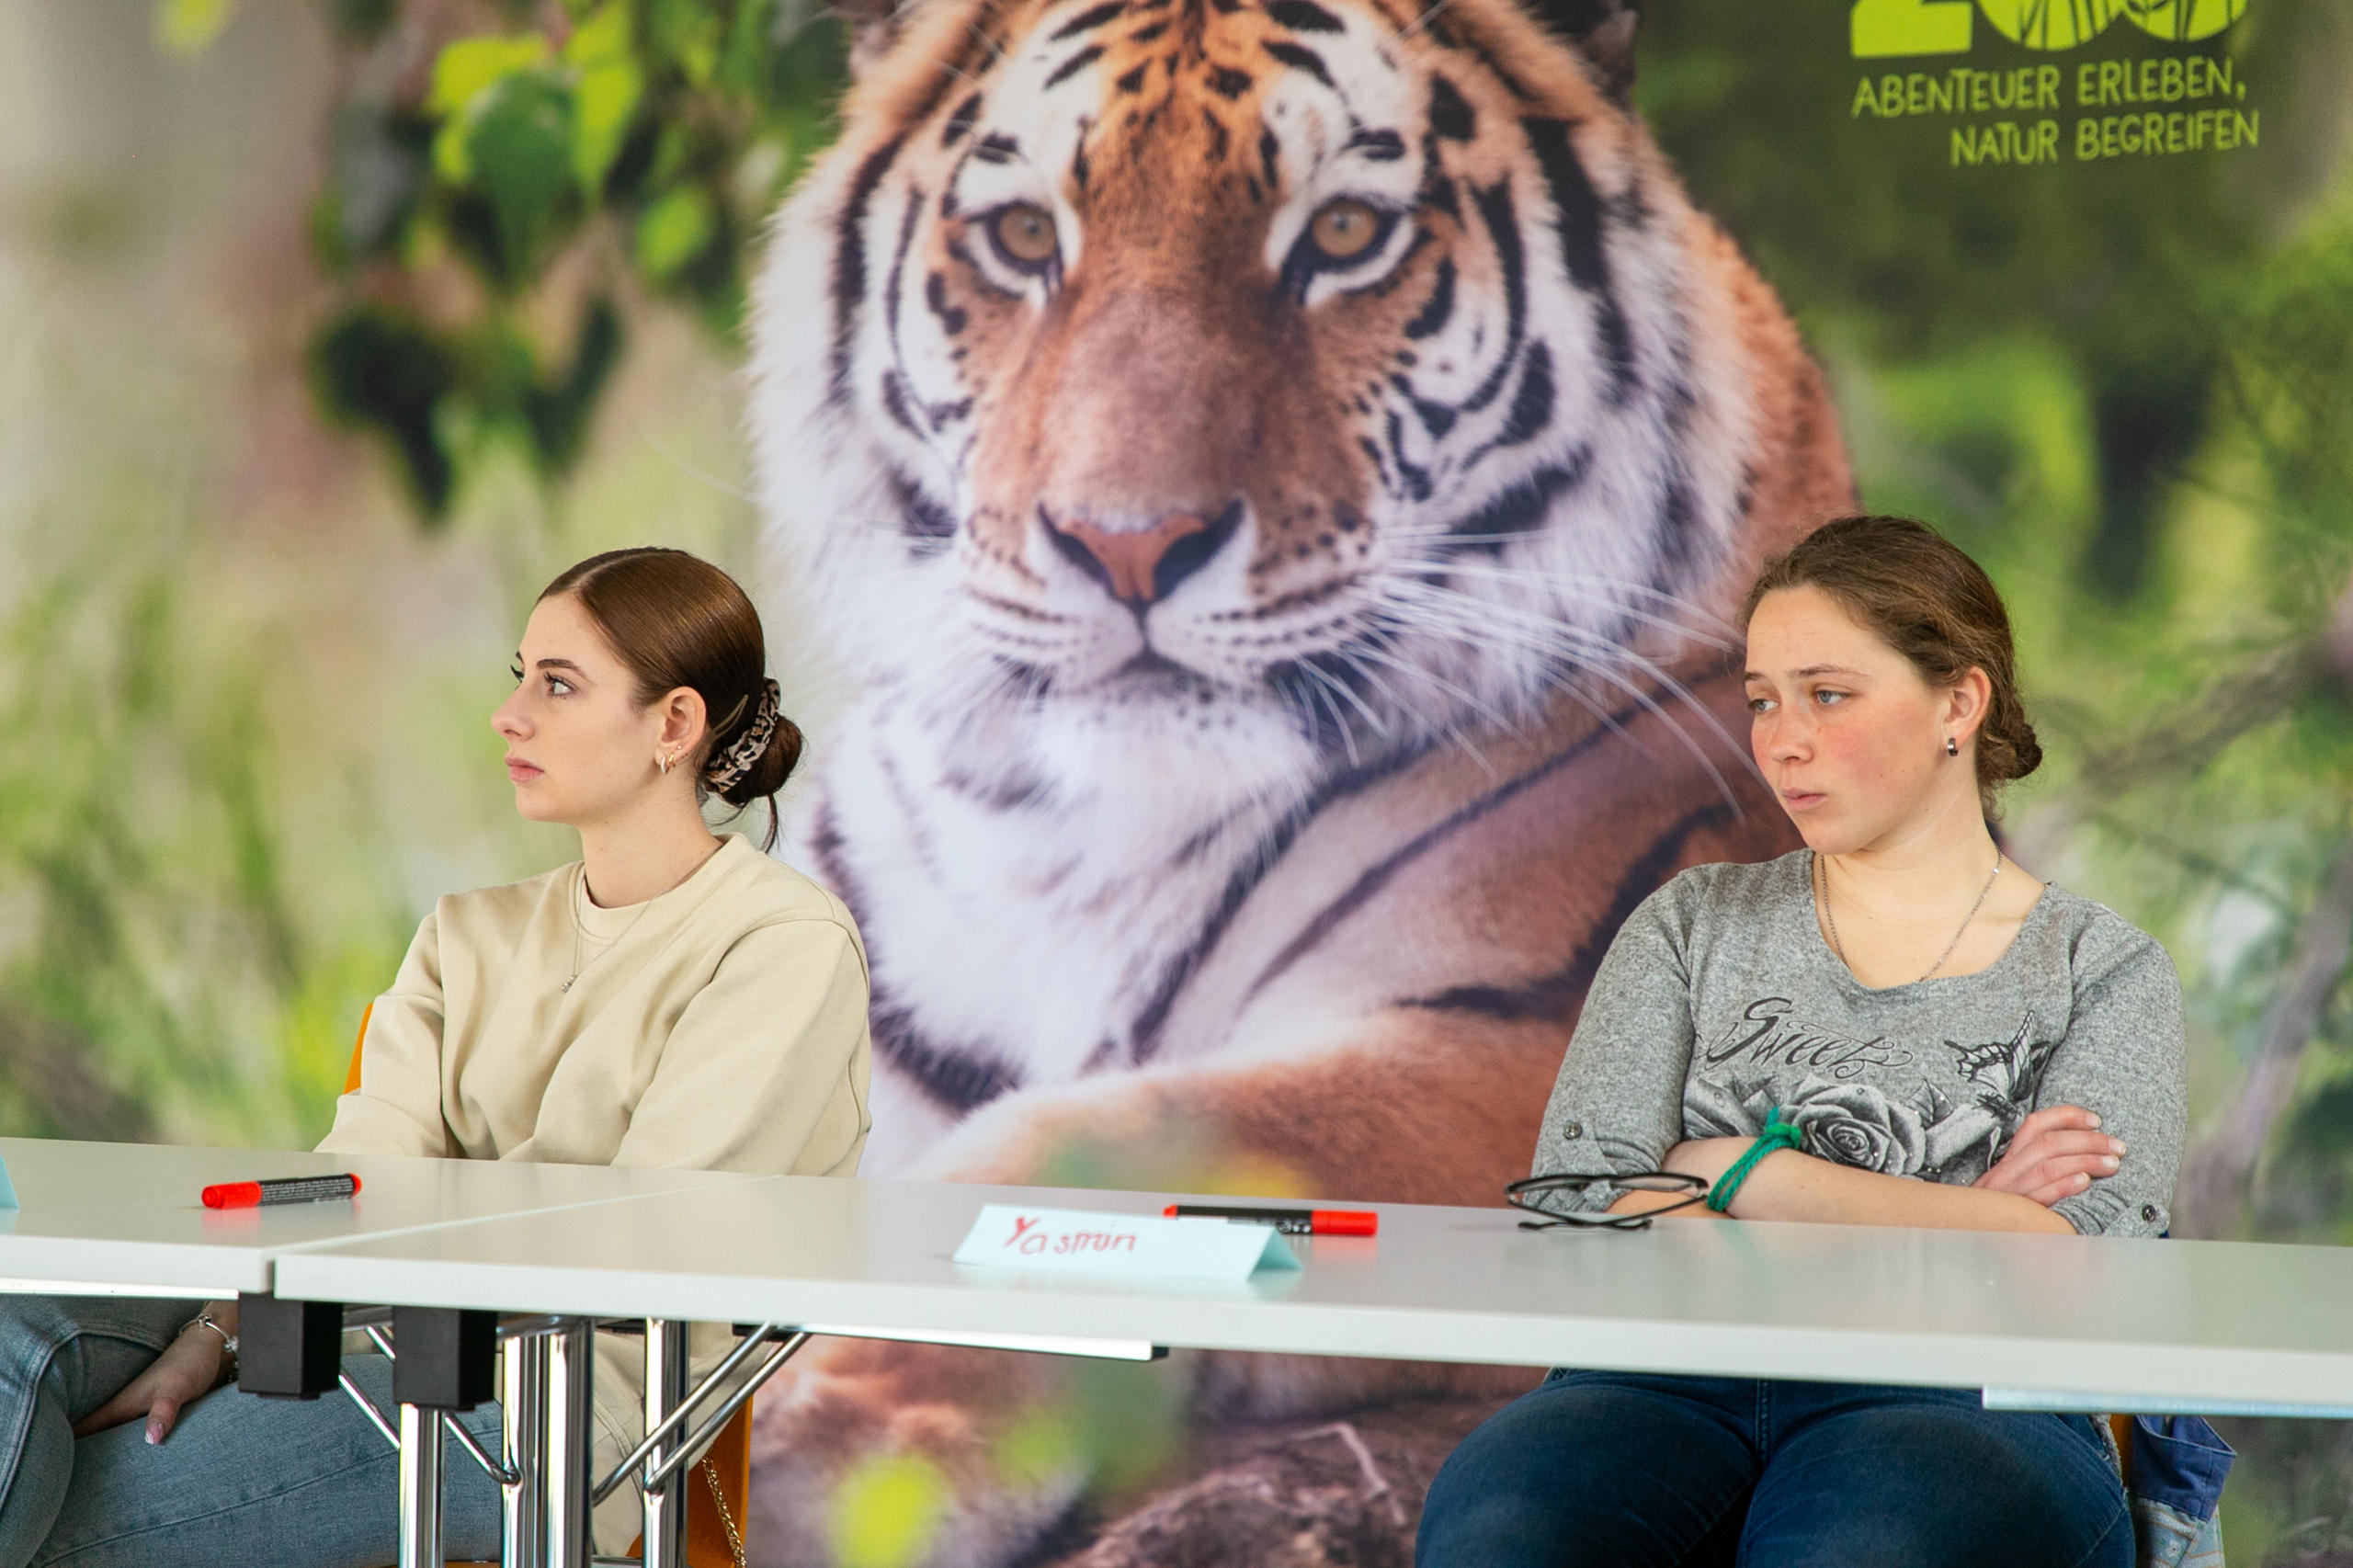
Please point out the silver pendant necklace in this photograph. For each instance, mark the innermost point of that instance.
(1830, 915)
(580, 926)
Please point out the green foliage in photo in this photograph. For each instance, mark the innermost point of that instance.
(488, 219)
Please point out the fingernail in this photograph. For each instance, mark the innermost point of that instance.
(154, 1432)
(2117, 1144)
(2110, 1160)
(2094, 1116)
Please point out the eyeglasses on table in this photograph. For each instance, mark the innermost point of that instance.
(1528, 1196)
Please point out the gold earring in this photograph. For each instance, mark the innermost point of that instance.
(662, 761)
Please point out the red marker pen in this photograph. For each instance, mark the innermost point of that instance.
(1290, 1221)
(295, 1190)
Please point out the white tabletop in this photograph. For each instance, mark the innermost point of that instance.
(2096, 1322)
(126, 1218)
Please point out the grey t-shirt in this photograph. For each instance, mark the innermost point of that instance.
(1719, 1001)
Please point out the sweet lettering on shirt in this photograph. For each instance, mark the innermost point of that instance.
(1770, 1035)
(1894, 1128)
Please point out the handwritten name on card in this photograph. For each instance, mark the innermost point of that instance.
(1078, 1241)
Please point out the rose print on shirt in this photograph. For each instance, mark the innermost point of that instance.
(1921, 1133)
(1856, 1125)
(1853, 1124)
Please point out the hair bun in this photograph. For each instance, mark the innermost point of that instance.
(2010, 749)
(776, 762)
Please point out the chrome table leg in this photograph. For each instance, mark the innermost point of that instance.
(569, 1389)
(665, 1385)
(421, 1453)
(522, 1397)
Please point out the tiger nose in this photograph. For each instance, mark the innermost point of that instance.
(1139, 565)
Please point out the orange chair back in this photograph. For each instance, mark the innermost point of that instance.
(728, 1461)
(351, 1073)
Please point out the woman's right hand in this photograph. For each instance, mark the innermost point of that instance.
(188, 1369)
(2055, 1153)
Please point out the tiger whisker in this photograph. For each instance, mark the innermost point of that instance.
(1715, 630)
(1651, 705)
(691, 472)
(1541, 631)
(1684, 695)
(1451, 730)
(1409, 539)
(1340, 688)
(1472, 622)
(1448, 687)
(1321, 693)
(1481, 614)
(1428, 14)
(1663, 623)
(996, 50)
(956, 70)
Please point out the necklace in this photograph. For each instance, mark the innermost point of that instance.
(580, 926)
(1830, 915)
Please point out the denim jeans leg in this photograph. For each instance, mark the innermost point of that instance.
(62, 1357)
(1898, 1478)
(248, 1482)
(1611, 1472)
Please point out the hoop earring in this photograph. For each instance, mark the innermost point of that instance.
(1952, 747)
(662, 761)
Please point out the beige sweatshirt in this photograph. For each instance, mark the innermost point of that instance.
(719, 1026)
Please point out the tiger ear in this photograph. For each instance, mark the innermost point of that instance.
(1603, 31)
(874, 25)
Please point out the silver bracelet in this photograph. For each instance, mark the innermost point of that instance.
(228, 1340)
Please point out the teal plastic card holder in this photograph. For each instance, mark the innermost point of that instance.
(7, 1188)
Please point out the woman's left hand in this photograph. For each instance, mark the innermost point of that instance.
(2056, 1153)
(188, 1369)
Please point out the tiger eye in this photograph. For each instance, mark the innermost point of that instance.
(1344, 229)
(1026, 233)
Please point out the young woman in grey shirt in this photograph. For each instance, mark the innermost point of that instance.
(1953, 1043)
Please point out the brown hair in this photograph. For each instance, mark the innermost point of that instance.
(1921, 596)
(674, 620)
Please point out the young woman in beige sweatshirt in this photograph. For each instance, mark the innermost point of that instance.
(672, 998)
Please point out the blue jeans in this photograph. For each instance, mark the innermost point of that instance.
(1609, 1469)
(241, 1480)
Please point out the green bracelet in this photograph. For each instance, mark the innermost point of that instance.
(1778, 1134)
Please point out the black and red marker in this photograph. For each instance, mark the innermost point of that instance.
(1290, 1221)
(294, 1189)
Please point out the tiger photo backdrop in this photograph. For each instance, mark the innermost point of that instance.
(1246, 496)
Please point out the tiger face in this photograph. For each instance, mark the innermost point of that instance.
(1208, 393)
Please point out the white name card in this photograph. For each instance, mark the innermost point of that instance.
(1078, 1241)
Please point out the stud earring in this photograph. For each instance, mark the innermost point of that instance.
(1952, 747)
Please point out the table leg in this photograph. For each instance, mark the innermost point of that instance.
(421, 1453)
(665, 1385)
(523, 1408)
(570, 1389)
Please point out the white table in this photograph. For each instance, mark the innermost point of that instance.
(2039, 1322)
(126, 1218)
